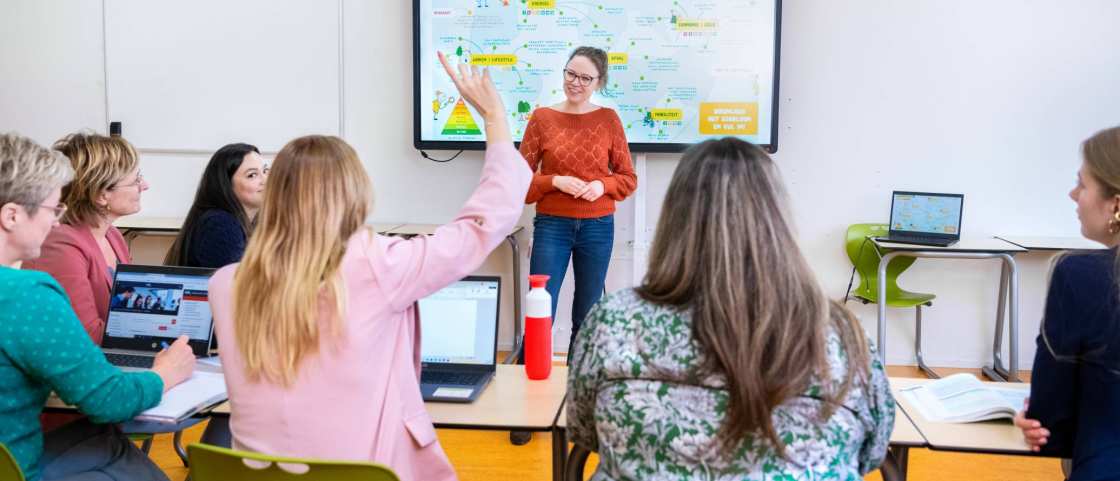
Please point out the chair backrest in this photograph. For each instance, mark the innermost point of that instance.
(211, 463)
(862, 254)
(9, 468)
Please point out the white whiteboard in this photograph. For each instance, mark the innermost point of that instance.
(197, 75)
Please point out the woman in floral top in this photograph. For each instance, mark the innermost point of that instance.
(728, 362)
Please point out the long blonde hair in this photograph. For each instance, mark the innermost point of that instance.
(725, 251)
(318, 196)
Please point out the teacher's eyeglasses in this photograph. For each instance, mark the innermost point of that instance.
(578, 78)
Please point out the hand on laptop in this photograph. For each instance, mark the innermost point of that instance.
(174, 364)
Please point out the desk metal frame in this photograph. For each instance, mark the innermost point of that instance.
(1008, 299)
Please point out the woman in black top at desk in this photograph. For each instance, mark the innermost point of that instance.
(219, 221)
(1074, 408)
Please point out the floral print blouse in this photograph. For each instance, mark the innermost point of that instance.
(637, 396)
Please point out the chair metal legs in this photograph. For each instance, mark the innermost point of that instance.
(177, 441)
(918, 343)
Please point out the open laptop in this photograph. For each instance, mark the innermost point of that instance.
(459, 339)
(154, 305)
(925, 218)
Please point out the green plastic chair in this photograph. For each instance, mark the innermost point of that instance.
(212, 463)
(9, 468)
(864, 256)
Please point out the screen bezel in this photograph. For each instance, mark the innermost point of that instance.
(635, 147)
(960, 215)
(497, 321)
(200, 347)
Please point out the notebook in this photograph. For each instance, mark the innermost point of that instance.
(961, 398)
(202, 390)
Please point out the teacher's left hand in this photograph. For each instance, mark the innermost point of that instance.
(592, 191)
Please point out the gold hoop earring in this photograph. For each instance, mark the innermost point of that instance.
(1114, 223)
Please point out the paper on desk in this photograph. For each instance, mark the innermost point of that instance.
(203, 389)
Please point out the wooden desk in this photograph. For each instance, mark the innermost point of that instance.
(1042, 243)
(411, 230)
(510, 402)
(989, 437)
(1008, 296)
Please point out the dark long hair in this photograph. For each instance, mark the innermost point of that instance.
(215, 191)
(725, 251)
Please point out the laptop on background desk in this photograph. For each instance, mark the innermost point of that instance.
(925, 218)
(153, 305)
(459, 339)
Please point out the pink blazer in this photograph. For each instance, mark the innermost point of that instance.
(71, 255)
(358, 398)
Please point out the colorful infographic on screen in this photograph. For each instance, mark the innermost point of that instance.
(679, 71)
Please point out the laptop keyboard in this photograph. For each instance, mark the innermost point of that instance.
(129, 360)
(919, 238)
(452, 378)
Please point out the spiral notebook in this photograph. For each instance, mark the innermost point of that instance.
(201, 391)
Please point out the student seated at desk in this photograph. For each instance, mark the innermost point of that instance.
(225, 207)
(320, 336)
(44, 347)
(728, 362)
(1074, 408)
(83, 252)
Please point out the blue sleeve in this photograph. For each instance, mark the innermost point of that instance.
(1054, 390)
(56, 351)
(218, 240)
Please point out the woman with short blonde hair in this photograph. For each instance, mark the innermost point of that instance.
(83, 252)
(319, 329)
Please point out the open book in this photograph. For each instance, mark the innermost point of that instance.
(961, 398)
(202, 390)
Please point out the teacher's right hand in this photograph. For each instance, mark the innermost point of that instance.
(476, 88)
(572, 186)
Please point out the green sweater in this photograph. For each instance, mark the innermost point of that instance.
(44, 348)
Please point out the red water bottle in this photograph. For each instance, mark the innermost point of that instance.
(538, 329)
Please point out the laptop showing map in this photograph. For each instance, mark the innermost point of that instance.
(925, 218)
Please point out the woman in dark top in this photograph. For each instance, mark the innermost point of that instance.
(1074, 408)
(220, 219)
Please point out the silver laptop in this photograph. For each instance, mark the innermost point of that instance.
(459, 339)
(150, 307)
(925, 218)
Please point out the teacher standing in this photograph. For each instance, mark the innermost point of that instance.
(581, 164)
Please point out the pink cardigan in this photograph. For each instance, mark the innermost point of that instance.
(71, 255)
(359, 398)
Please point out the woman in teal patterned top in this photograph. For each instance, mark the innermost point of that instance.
(44, 348)
(728, 362)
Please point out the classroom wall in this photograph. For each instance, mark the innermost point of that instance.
(989, 99)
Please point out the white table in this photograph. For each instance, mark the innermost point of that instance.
(966, 248)
(1051, 243)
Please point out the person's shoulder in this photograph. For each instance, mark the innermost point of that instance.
(17, 284)
(67, 234)
(222, 279)
(1083, 269)
(219, 220)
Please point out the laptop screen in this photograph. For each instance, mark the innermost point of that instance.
(459, 323)
(154, 304)
(921, 213)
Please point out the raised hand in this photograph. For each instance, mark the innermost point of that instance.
(476, 88)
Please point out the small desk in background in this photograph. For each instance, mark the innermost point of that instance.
(410, 230)
(966, 248)
(1041, 243)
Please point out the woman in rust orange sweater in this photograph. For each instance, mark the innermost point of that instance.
(581, 164)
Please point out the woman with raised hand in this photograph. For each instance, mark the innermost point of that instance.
(36, 314)
(320, 337)
(728, 362)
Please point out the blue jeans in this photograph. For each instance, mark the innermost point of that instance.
(588, 243)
